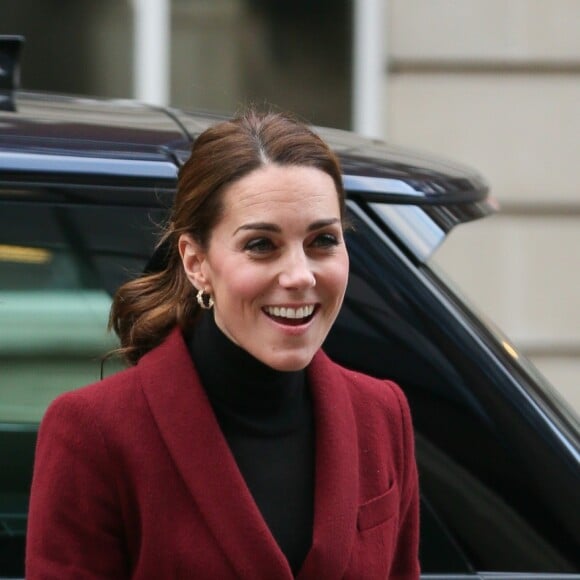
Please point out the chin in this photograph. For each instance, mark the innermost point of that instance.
(288, 362)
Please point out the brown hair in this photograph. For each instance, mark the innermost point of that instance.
(145, 310)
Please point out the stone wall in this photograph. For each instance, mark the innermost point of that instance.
(496, 84)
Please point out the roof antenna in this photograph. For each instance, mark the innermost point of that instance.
(10, 48)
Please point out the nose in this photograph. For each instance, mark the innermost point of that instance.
(296, 272)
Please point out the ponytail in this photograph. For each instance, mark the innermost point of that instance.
(145, 310)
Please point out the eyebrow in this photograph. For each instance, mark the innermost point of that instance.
(269, 227)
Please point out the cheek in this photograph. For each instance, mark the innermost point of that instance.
(338, 275)
(237, 284)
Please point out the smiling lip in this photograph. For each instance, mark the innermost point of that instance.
(291, 315)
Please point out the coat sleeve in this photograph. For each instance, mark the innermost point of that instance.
(406, 559)
(74, 522)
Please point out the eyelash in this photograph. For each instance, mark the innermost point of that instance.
(259, 245)
(266, 245)
(325, 241)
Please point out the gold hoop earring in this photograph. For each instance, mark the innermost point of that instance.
(205, 303)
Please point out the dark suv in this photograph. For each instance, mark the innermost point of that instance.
(84, 184)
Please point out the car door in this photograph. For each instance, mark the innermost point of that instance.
(486, 435)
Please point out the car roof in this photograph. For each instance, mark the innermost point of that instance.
(121, 129)
(125, 129)
(128, 144)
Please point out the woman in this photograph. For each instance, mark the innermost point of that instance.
(232, 447)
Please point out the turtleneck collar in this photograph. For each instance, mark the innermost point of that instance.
(245, 393)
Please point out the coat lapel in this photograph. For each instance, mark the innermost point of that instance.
(199, 450)
(194, 440)
(336, 493)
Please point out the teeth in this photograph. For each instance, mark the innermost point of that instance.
(285, 312)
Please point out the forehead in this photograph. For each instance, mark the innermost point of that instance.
(275, 189)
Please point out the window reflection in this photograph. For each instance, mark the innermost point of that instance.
(55, 275)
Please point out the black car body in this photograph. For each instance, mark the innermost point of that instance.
(84, 184)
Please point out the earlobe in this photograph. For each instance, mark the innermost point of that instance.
(192, 259)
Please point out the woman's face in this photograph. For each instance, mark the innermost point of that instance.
(276, 263)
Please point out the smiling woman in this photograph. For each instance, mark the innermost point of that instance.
(276, 266)
(232, 434)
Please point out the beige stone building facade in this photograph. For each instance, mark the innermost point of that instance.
(496, 84)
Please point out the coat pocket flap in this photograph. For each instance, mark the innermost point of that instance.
(379, 509)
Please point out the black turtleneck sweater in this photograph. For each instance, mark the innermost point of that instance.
(266, 417)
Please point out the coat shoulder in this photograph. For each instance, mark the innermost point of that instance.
(367, 390)
(119, 399)
(105, 395)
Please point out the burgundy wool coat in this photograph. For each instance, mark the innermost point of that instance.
(134, 479)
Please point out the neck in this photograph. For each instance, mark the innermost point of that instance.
(243, 390)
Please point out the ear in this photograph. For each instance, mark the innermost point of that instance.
(193, 259)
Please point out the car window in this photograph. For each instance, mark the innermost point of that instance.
(484, 496)
(53, 309)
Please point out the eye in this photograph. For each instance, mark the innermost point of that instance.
(259, 246)
(325, 240)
